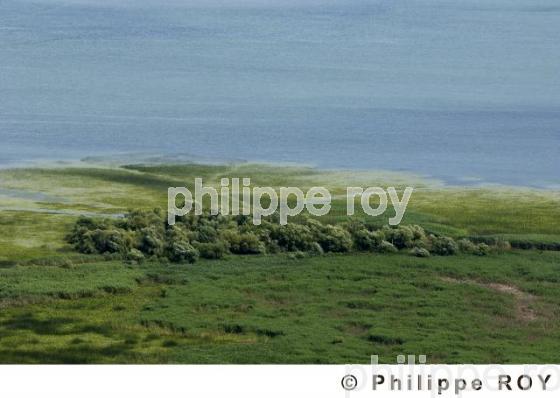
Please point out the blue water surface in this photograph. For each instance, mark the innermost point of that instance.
(465, 91)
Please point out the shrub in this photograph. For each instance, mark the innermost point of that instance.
(334, 239)
(466, 246)
(110, 241)
(405, 236)
(83, 242)
(145, 233)
(206, 234)
(354, 226)
(292, 237)
(418, 233)
(444, 246)
(298, 255)
(180, 252)
(503, 245)
(522, 244)
(367, 240)
(83, 225)
(419, 252)
(86, 235)
(400, 237)
(212, 251)
(482, 249)
(316, 249)
(242, 219)
(386, 247)
(271, 246)
(5, 263)
(548, 246)
(243, 243)
(137, 220)
(135, 255)
(150, 242)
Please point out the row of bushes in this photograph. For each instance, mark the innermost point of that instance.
(146, 234)
(517, 243)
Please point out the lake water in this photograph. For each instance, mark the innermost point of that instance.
(464, 91)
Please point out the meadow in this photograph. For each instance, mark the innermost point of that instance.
(60, 306)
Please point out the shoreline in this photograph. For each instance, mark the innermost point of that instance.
(122, 160)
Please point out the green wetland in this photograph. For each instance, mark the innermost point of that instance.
(64, 305)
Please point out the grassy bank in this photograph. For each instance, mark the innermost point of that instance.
(334, 309)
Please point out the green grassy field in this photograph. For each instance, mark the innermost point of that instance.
(62, 307)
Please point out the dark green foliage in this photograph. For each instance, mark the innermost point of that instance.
(419, 252)
(292, 237)
(82, 234)
(106, 241)
(212, 251)
(482, 249)
(137, 220)
(443, 246)
(466, 246)
(145, 234)
(368, 240)
(387, 247)
(401, 237)
(387, 239)
(334, 239)
(524, 244)
(182, 251)
(244, 243)
(316, 249)
(150, 242)
(405, 236)
(135, 255)
(206, 234)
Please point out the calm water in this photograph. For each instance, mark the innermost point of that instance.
(463, 91)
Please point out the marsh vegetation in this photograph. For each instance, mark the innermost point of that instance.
(121, 287)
